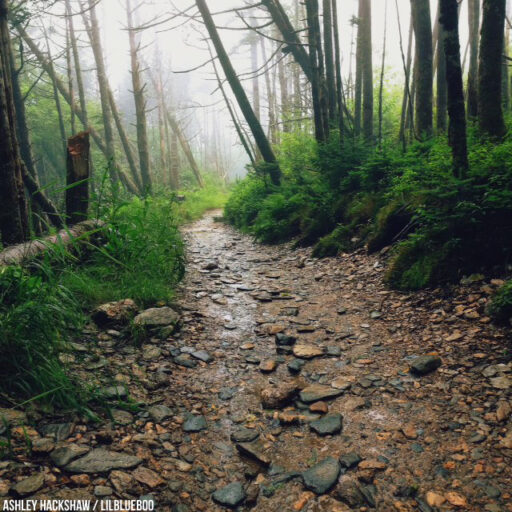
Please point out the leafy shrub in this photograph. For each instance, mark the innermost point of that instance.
(500, 308)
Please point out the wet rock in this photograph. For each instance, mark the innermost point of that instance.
(115, 314)
(159, 413)
(231, 495)
(186, 361)
(296, 365)
(122, 417)
(29, 485)
(147, 477)
(202, 355)
(348, 490)
(350, 460)
(101, 491)
(65, 454)
(158, 319)
(285, 340)
(317, 392)
(321, 477)
(278, 397)
(254, 450)
(268, 366)
(328, 425)
(122, 481)
(227, 393)
(151, 353)
(102, 461)
(307, 351)
(58, 431)
(244, 435)
(423, 365)
(114, 392)
(320, 407)
(195, 423)
(43, 445)
(343, 382)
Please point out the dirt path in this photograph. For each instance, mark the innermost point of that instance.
(440, 441)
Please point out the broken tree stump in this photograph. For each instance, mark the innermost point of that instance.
(78, 171)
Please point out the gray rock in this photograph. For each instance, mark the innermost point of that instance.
(157, 317)
(348, 490)
(194, 423)
(284, 340)
(330, 424)
(59, 431)
(159, 413)
(425, 364)
(255, 450)
(244, 435)
(317, 392)
(102, 461)
(65, 454)
(115, 314)
(186, 361)
(150, 352)
(115, 392)
(100, 491)
(350, 460)
(122, 417)
(321, 477)
(202, 355)
(29, 485)
(296, 365)
(231, 495)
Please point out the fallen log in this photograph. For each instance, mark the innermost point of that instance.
(22, 253)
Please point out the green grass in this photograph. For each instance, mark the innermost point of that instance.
(197, 201)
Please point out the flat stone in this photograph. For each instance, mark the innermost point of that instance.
(115, 392)
(254, 450)
(307, 351)
(317, 392)
(147, 477)
(159, 413)
(202, 355)
(278, 397)
(285, 340)
(12, 418)
(101, 491)
(349, 491)
(115, 314)
(268, 366)
(423, 365)
(122, 417)
(321, 477)
(151, 352)
(296, 365)
(59, 431)
(65, 454)
(328, 425)
(195, 423)
(244, 435)
(502, 382)
(350, 460)
(29, 485)
(343, 382)
(186, 361)
(157, 317)
(231, 495)
(43, 445)
(102, 461)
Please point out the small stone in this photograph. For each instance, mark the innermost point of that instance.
(321, 477)
(185, 360)
(231, 495)
(410, 431)
(285, 340)
(43, 445)
(115, 392)
(202, 355)
(159, 413)
(278, 397)
(151, 353)
(349, 491)
(65, 454)
(195, 424)
(423, 365)
(157, 317)
(328, 425)
(244, 435)
(307, 351)
(320, 407)
(343, 382)
(268, 366)
(29, 485)
(457, 500)
(503, 411)
(59, 431)
(102, 461)
(115, 314)
(434, 499)
(350, 460)
(4, 488)
(255, 450)
(122, 417)
(502, 382)
(296, 365)
(122, 482)
(101, 491)
(147, 477)
(317, 392)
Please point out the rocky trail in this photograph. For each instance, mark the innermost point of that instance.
(292, 384)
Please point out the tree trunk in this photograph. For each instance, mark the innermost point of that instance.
(339, 78)
(78, 166)
(140, 104)
(255, 79)
(457, 129)
(424, 90)
(406, 99)
(474, 27)
(93, 29)
(490, 110)
(13, 207)
(505, 84)
(441, 98)
(358, 88)
(367, 70)
(259, 135)
(329, 62)
(381, 86)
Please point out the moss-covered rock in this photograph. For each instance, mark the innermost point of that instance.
(390, 225)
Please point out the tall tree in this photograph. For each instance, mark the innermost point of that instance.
(442, 94)
(13, 207)
(358, 86)
(367, 71)
(259, 135)
(381, 85)
(457, 128)
(329, 61)
(407, 63)
(339, 80)
(490, 112)
(140, 102)
(424, 89)
(474, 26)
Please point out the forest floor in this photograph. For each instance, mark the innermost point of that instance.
(334, 421)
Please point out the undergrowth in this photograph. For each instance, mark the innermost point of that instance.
(338, 198)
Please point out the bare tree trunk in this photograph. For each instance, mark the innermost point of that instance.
(283, 89)
(442, 93)
(69, 69)
(259, 135)
(13, 207)
(78, 171)
(490, 112)
(381, 87)
(175, 161)
(474, 27)
(505, 84)
(424, 90)
(406, 100)
(329, 62)
(358, 88)
(140, 104)
(367, 71)
(457, 129)
(255, 79)
(339, 78)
